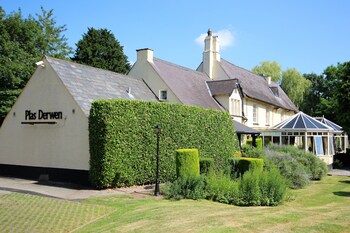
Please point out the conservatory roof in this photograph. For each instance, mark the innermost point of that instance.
(302, 122)
(331, 124)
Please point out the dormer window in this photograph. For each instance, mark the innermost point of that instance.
(163, 95)
(275, 91)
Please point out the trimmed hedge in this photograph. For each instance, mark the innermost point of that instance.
(206, 165)
(258, 142)
(187, 163)
(240, 165)
(123, 141)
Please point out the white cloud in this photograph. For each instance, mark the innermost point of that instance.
(226, 38)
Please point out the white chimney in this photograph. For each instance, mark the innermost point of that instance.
(211, 54)
(145, 55)
(268, 78)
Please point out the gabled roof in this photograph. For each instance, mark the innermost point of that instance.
(302, 122)
(331, 124)
(86, 84)
(222, 87)
(256, 87)
(188, 85)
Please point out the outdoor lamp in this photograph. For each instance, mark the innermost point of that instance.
(158, 129)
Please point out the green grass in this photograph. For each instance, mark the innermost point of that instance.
(323, 206)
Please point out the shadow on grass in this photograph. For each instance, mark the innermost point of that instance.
(342, 194)
(345, 181)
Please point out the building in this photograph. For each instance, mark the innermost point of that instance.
(46, 131)
(250, 99)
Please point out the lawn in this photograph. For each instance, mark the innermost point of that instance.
(323, 206)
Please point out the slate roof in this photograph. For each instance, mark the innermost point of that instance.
(243, 129)
(86, 84)
(188, 85)
(302, 122)
(256, 87)
(222, 87)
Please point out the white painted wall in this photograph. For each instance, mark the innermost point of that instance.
(63, 145)
(143, 69)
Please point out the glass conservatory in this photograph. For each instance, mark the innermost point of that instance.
(305, 132)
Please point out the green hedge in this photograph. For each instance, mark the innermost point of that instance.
(187, 163)
(258, 142)
(123, 141)
(206, 165)
(240, 165)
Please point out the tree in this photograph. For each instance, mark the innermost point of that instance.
(21, 45)
(314, 95)
(267, 68)
(99, 48)
(54, 42)
(295, 85)
(338, 83)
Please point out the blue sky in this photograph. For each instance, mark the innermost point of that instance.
(308, 35)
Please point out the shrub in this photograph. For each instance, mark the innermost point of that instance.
(123, 143)
(257, 187)
(252, 152)
(258, 142)
(248, 189)
(221, 188)
(192, 187)
(273, 187)
(311, 164)
(245, 164)
(187, 163)
(289, 168)
(206, 165)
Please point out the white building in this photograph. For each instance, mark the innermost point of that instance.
(251, 99)
(46, 131)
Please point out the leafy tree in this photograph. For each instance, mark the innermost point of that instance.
(54, 42)
(22, 43)
(267, 68)
(295, 85)
(99, 48)
(338, 83)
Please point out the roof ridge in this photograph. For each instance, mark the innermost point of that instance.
(87, 66)
(181, 67)
(243, 68)
(224, 80)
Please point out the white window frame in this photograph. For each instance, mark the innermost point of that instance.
(255, 114)
(268, 114)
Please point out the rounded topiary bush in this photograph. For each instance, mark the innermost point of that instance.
(187, 163)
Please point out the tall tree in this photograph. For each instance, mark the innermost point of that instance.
(295, 85)
(99, 48)
(21, 45)
(54, 41)
(268, 68)
(338, 83)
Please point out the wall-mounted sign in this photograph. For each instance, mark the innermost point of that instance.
(32, 117)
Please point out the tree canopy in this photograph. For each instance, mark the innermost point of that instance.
(295, 85)
(329, 95)
(24, 41)
(268, 68)
(99, 48)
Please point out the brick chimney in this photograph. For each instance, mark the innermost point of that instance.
(211, 54)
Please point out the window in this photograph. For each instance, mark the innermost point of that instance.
(275, 91)
(267, 117)
(235, 107)
(255, 114)
(163, 95)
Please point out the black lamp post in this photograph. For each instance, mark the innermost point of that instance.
(156, 190)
